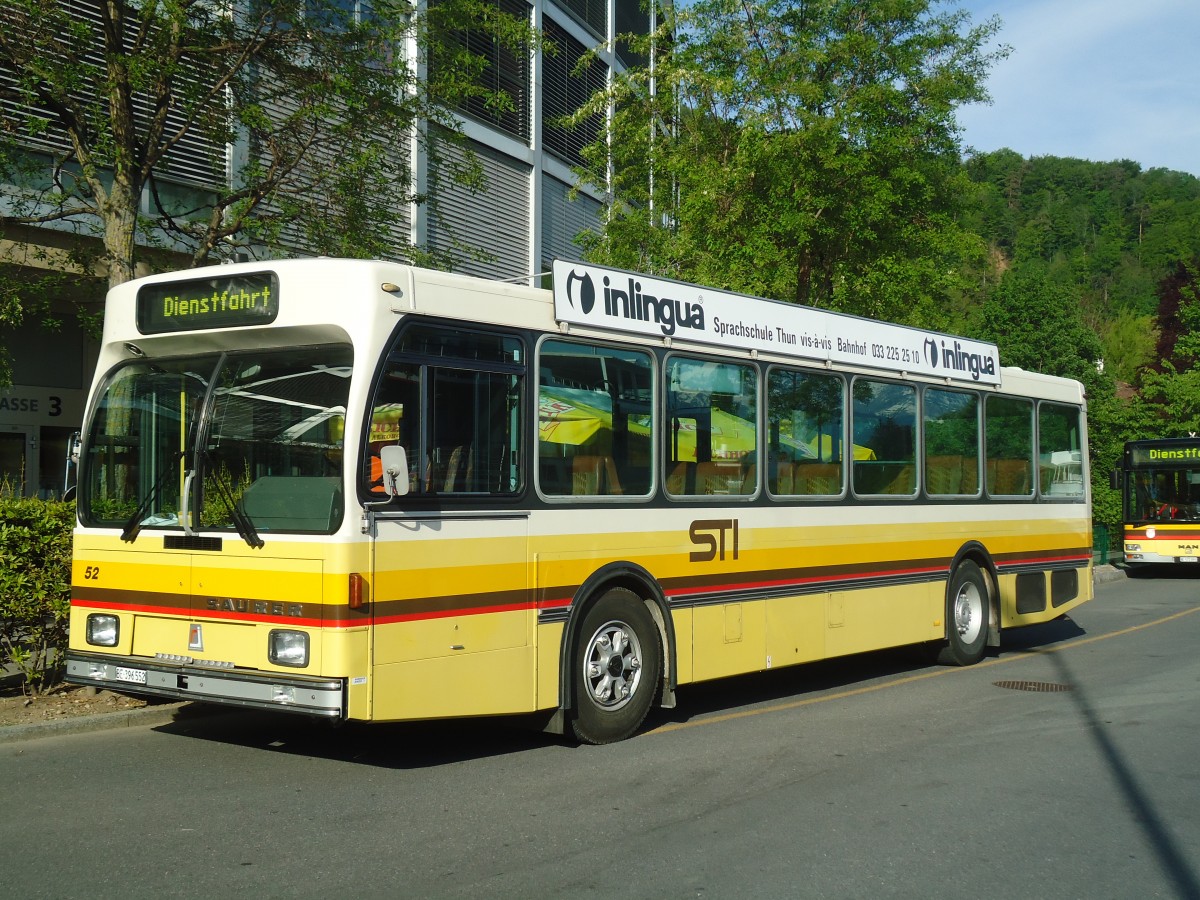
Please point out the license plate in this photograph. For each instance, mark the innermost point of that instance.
(133, 676)
(1189, 559)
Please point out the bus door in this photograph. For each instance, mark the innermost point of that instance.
(453, 617)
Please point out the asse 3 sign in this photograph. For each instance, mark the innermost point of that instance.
(41, 406)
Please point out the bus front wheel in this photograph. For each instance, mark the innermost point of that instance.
(617, 663)
(967, 608)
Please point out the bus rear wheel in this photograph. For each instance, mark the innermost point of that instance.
(967, 608)
(617, 662)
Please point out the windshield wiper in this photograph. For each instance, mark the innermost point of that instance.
(134, 526)
(241, 521)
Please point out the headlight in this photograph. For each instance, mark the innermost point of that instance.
(288, 648)
(1133, 546)
(103, 630)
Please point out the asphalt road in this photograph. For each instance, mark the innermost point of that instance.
(1066, 765)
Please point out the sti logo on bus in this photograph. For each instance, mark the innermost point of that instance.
(628, 302)
(958, 359)
(711, 535)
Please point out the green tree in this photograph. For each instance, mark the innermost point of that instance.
(1128, 342)
(1038, 326)
(1170, 397)
(110, 107)
(803, 151)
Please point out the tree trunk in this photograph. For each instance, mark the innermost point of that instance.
(119, 212)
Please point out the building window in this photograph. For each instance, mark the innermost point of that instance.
(564, 92)
(592, 13)
(505, 72)
(633, 17)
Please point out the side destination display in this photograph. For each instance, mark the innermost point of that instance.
(1148, 454)
(623, 301)
(232, 302)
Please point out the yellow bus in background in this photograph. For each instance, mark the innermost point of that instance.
(1159, 481)
(361, 490)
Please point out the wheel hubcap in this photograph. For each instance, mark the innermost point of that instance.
(612, 665)
(968, 613)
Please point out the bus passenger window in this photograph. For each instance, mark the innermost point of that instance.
(1060, 451)
(806, 414)
(884, 426)
(712, 428)
(951, 424)
(1008, 435)
(595, 418)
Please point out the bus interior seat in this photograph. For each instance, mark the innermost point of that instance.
(459, 470)
(817, 479)
(594, 475)
(1009, 477)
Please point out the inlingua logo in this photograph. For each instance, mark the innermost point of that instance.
(666, 313)
(959, 359)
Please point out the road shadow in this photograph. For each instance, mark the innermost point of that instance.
(416, 745)
(1039, 637)
(1170, 854)
(392, 745)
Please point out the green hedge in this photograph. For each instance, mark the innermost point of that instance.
(35, 587)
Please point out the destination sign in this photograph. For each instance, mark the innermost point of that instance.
(609, 298)
(1183, 454)
(234, 301)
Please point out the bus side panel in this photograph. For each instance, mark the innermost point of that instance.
(728, 639)
(1036, 582)
(875, 618)
(493, 682)
(453, 617)
(1032, 597)
(795, 629)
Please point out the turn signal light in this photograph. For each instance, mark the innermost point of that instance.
(360, 593)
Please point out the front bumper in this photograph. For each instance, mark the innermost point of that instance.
(304, 694)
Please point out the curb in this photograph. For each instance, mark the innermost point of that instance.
(146, 716)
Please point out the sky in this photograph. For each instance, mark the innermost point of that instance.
(1093, 79)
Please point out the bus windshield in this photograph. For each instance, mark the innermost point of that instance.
(1158, 494)
(201, 442)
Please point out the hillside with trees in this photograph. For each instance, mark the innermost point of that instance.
(1091, 272)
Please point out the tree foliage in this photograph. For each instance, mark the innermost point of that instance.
(113, 110)
(213, 131)
(798, 151)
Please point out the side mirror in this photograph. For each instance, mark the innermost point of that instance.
(395, 470)
(1114, 479)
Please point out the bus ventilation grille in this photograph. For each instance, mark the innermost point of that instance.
(191, 542)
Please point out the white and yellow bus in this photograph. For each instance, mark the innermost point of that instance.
(360, 490)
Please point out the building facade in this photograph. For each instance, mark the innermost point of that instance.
(527, 214)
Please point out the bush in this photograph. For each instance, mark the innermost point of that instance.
(35, 587)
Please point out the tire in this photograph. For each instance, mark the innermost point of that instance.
(616, 664)
(967, 607)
